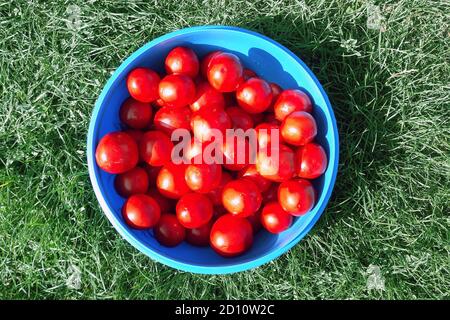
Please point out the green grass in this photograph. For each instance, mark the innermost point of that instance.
(390, 92)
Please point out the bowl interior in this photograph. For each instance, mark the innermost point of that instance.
(270, 61)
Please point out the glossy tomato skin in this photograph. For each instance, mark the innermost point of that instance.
(231, 235)
(311, 161)
(199, 236)
(141, 211)
(207, 97)
(241, 197)
(264, 133)
(169, 232)
(165, 204)
(215, 195)
(274, 219)
(142, 84)
(170, 181)
(274, 170)
(235, 159)
(177, 90)
(168, 119)
(296, 196)
(298, 128)
(239, 118)
(205, 63)
(135, 114)
(225, 72)
(203, 177)
(254, 95)
(205, 120)
(252, 173)
(117, 152)
(289, 101)
(248, 73)
(255, 221)
(133, 181)
(182, 60)
(155, 148)
(194, 210)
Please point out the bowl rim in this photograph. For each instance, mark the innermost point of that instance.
(108, 211)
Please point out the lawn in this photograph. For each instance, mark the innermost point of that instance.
(384, 65)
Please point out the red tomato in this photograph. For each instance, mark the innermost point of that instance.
(248, 73)
(131, 182)
(258, 118)
(274, 170)
(251, 173)
(270, 119)
(241, 197)
(199, 236)
(225, 72)
(169, 232)
(276, 91)
(215, 195)
(298, 128)
(203, 177)
(231, 235)
(168, 119)
(207, 96)
(274, 219)
(152, 173)
(255, 221)
(230, 99)
(207, 119)
(158, 103)
(170, 181)
(219, 211)
(205, 63)
(264, 133)
(155, 148)
(117, 152)
(182, 60)
(165, 204)
(142, 83)
(239, 118)
(194, 210)
(289, 101)
(311, 161)
(234, 158)
(254, 95)
(141, 211)
(296, 196)
(177, 90)
(135, 134)
(135, 114)
(271, 194)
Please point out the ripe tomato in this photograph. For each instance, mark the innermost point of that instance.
(131, 182)
(230, 99)
(215, 195)
(169, 231)
(271, 194)
(152, 173)
(135, 134)
(311, 161)
(170, 181)
(135, 114)
(254, 95)
(248, 73)
(182, 60)
(207, 96)
(239, 118)
(117, 152)
(168, 119)
(205, 63)
(177, 90)
(142, 83)
(205, 120)
(258, 118)
(199, 236)
(298, 128)
(289, 101)
(255, 221)
(194, 210)
(296, 196)
(155, 148)
(165, 204)
(274, 170)
(225, 72)
(231, 235)
(241, 197)
(203, 177)
(270, 119)
(264, 133)
(141, 211)
(251, 173)
(234, 158)
(274, 219)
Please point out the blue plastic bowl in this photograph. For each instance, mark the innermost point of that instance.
(268, 59)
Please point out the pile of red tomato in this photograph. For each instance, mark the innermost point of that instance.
(221, 205)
